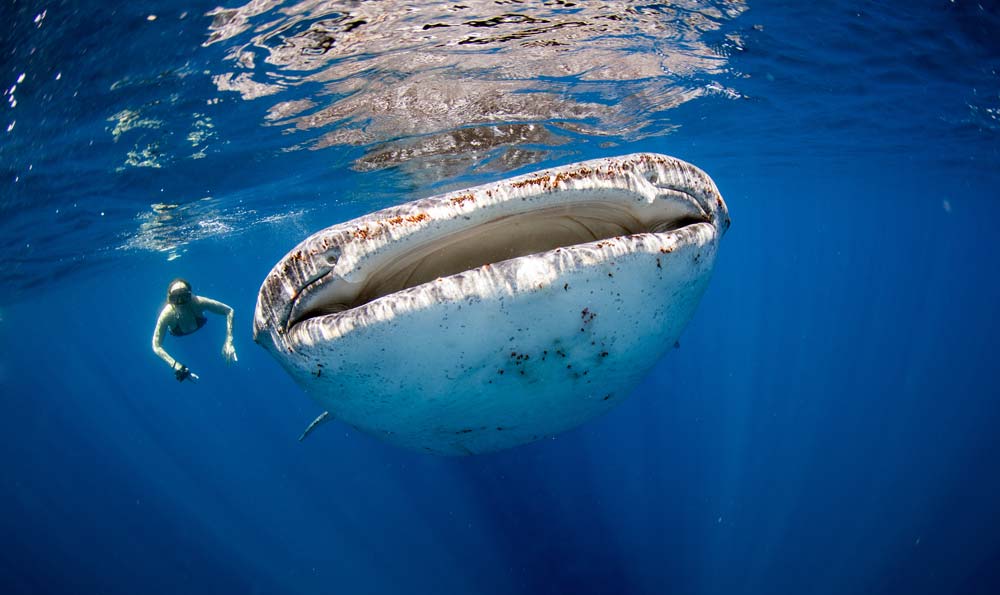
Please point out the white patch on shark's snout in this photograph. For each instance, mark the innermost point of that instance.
(534, 271)
(490, 317)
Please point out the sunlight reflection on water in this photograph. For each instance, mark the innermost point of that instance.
(481, 85)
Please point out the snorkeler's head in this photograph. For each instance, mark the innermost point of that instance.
(179, 292)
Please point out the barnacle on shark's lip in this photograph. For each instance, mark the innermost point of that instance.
(490, 317)
(563, 215)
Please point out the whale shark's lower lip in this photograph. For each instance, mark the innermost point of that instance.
(567, 210)
(486, 318)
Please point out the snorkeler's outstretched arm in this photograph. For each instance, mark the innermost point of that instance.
(180, 370)
(217, 307)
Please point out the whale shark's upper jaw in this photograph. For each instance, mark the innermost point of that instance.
(564, 209)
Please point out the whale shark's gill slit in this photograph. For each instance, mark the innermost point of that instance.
(504, 238)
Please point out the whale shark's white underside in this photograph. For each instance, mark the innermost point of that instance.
(490, 317)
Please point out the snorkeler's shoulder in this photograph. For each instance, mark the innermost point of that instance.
(211, 305)
(166, 319)
(168, 312)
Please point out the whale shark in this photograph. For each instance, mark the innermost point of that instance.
(494, 316)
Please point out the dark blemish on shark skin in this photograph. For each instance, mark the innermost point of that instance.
(500, 371)
(677, 344)
(604, 354)
(465, 431)
(499, 429)
(565, 286)
(606, 397)
(610, 275)
(658, 265)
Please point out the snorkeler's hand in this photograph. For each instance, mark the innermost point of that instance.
(229, 352)
(182, 373)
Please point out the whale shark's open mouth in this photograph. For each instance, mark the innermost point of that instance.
(507, 237)
(352, 264)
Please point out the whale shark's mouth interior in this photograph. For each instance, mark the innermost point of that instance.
(609, 215)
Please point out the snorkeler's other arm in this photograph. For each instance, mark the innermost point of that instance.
(161, 329)
(180, 370)
(216, 307)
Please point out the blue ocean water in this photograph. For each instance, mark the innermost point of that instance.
(827, 425)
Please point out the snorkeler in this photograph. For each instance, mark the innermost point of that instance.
(183, 314)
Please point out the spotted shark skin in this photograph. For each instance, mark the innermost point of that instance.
(504, 353)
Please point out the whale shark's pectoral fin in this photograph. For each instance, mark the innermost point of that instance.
(322, 418)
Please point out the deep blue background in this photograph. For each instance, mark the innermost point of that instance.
(828, 424)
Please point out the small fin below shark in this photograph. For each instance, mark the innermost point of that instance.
(322, 418)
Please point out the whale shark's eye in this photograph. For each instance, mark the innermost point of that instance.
(332, 256)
